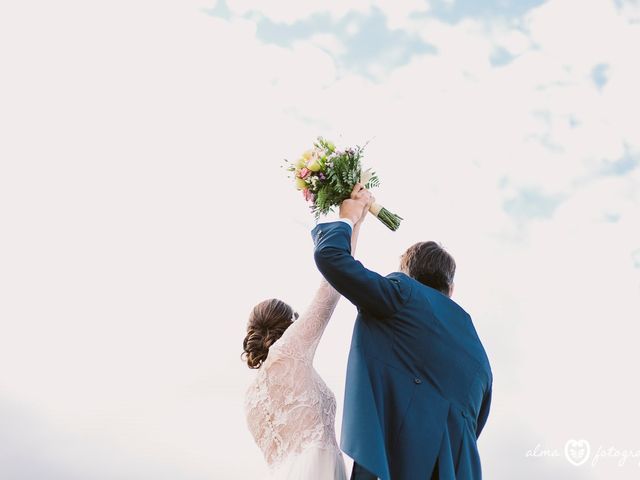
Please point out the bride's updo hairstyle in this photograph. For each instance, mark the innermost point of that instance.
(267, 322)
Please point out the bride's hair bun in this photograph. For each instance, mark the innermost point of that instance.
(267, 322)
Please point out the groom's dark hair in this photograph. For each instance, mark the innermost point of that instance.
(430, 264)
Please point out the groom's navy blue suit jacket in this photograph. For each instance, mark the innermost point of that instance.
(419, 383)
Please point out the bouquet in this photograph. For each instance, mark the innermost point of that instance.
(326, 177)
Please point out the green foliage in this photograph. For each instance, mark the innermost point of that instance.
(324, 144)
(326, 177)
(342, 171)
(373, 182)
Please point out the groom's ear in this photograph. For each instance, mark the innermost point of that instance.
(451, 287)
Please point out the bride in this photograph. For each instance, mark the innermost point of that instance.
(289, 409)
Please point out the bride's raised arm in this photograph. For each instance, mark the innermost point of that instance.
(301, 339)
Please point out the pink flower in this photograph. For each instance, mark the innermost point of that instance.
(304, 173)
(308, 196)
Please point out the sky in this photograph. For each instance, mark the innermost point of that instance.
(144, 211)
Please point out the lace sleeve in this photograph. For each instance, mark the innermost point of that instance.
(301, 339)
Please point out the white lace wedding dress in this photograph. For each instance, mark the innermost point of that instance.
(290, 411)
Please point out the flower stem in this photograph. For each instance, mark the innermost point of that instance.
(391, 220)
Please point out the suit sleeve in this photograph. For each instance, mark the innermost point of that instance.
(378, 295)
(484, 411)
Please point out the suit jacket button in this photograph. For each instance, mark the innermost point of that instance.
(417, 381)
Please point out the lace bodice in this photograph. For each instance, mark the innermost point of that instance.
(288, 406)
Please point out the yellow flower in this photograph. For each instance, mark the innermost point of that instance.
(301, 163)
(301, 184)
(313, 163)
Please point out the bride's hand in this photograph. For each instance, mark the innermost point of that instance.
(356, 207)
(363, 195)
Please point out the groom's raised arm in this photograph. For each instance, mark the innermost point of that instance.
(368, 290)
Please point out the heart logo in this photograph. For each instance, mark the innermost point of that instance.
(577, 451)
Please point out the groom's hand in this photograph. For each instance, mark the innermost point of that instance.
(356, 207)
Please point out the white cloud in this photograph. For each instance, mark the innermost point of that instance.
(281, 11)
(573, 33)
(329, 43)
(147, 213)
(510, 37)
(400, 14)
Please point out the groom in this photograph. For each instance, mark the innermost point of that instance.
(419, 383)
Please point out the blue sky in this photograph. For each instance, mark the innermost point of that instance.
(375, 41)
(372, 48)
(147, 213)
